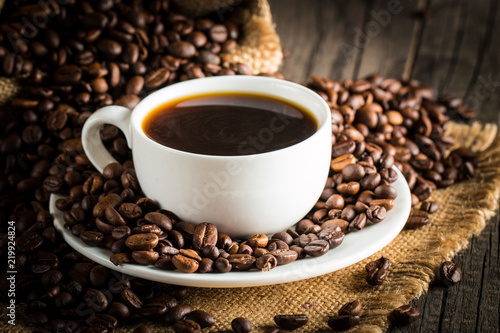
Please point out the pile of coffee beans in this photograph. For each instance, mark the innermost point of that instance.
(110, 210)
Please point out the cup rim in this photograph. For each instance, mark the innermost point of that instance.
(137, 123)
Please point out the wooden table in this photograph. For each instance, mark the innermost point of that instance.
(452, 46)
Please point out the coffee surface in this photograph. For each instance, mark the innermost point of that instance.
(229, 124)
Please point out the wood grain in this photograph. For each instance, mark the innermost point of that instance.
(452, 46)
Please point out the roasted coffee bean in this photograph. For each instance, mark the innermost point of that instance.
(277, 245)
(111, 200)
(245, 249)
(417, 219)
(218, 33)
(149, 205)
(333, 235)
(108, 47)
(118, 286)
(53, 184)
(114, 218)
(63, 299)
(210, 251)
(358, 222)
(348, 189)
(142, 242)
(68, 74)
(145, 257)
(176, 314)
(152, 311)
(317, 248)
(340, 162)
(185, 263)
(223, 265)
(353, 172)
(148, 228)
(165, 263)
(377, 271)
(450, 273)
(130, 299)
(388, 204)
(348, 213)
(291, 322)
(95, 300)
(404, 315)
(266, 262)
(294, 234)
(112, 171)
(51, 278)
(207, 265)
(429, 206)
(304, 225)
(305, 239)
(204, 319)
(284, 257)
(370, 182)
(351, 309)
(92, 238)
(103, 321)
(157, 78)
(182, 49)
(343, 322)
(241, 262)
(376, 213)
(29, 242)
(335, 222)
(385, 192)
(241, 325)
(130, 211)
(168, 301)
(176, 238)
(259, 252)
(205, 234)
(120, 258)
(320, 216)
(284, 237)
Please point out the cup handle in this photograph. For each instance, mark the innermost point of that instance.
(95, 150)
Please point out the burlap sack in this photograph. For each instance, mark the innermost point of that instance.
(259, 45)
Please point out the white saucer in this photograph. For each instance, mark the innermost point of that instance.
(355, 247)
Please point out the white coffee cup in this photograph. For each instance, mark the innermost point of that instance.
(242, 195)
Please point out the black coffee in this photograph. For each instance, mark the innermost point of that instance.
(229, 124)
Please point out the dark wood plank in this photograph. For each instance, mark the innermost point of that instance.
(436, 49)
(391, 33)
(470, 38)
(483, 92)
(312, 32)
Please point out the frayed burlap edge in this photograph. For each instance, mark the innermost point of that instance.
(259, 45)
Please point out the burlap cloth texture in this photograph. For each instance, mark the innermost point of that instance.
(415, 254)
